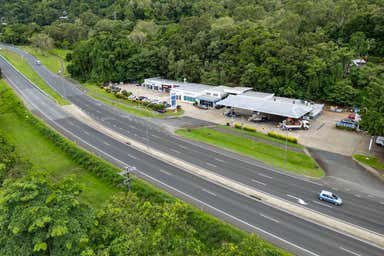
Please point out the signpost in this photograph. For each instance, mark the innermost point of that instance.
(173, 100)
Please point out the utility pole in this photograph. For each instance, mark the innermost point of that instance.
(126, 174)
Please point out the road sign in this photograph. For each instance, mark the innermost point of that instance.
(173, 99)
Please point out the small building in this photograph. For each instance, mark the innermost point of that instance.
(202, 94)
(267, 103)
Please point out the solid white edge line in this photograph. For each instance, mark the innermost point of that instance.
(185, 194)
(110, 156)
(349, 251)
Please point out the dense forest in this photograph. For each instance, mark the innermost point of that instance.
(293, 48)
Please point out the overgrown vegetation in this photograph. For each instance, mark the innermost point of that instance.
(297, 49)
(275, 156)
(44, 210)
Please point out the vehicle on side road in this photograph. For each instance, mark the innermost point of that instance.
(38, 62)
(330, 197)
(380, 141)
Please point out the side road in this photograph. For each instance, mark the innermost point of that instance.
(213, 177)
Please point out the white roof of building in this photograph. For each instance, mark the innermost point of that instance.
(359, 61)
(237, 90)
(275, 105)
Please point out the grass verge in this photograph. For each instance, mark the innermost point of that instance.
(295, 162)
(22, 65)
(371, 161)
(263, 136)
(39, 144)
(46, 156)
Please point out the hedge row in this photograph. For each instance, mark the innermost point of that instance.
(208, 228)
(282, 137)
(244, 127)
(100, 168)
(345, 128)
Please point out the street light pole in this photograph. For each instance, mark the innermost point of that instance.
(286, 148)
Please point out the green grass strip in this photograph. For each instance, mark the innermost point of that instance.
(39, 144)
(291, 161)
(371, 161)
(263, 136)
(22, 65)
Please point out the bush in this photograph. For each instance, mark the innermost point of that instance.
(345, 128)
(125, 93)
(108, 89)
(282, 137)
(250, 129)
(238, 126)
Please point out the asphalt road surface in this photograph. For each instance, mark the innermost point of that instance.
(361, 209)
(296, 235)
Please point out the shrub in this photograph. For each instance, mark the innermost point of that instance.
(282, 137)
(250, 129)
(238, 126)
(125, 93)
(345, 128)
(108, 89)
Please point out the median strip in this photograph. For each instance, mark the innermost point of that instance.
(303, 212)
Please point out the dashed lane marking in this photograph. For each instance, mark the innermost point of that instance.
(264, 175)
(349, 251)
(209, 192)
(258, 182)
(165, 172)
(269, 218)
(212, 165)
(219, 160)
(322, 204)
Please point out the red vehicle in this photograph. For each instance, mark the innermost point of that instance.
(354, 116)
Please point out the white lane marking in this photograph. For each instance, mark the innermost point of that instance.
(183, 193)
(86, 132)
(209, 192)
(370, 196)
(266, 176)
(382, 203)
(347, 189)
(299, 200)
(269, 218)
(258, 182)
(335, 189)
(165, 172)
(106, 143)
(132, 127)
(212, 165)
(183, 147)
(356, 195)
(132, 156)
(174, 150)
(155, 136)
(219, 160)
(349, 251)
(320, 203)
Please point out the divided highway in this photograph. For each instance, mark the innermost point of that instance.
(297, 235)
(363, 210)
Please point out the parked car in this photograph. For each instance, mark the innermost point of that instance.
(141, 98)
(38, 62)
(380, 141)
(219, 106)
(231, 113)
(132, 97)
(205, 107)
(348, 123)
(330, 197)
(160, 110)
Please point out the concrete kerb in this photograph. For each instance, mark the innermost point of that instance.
(303, 212)
(370, 169)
